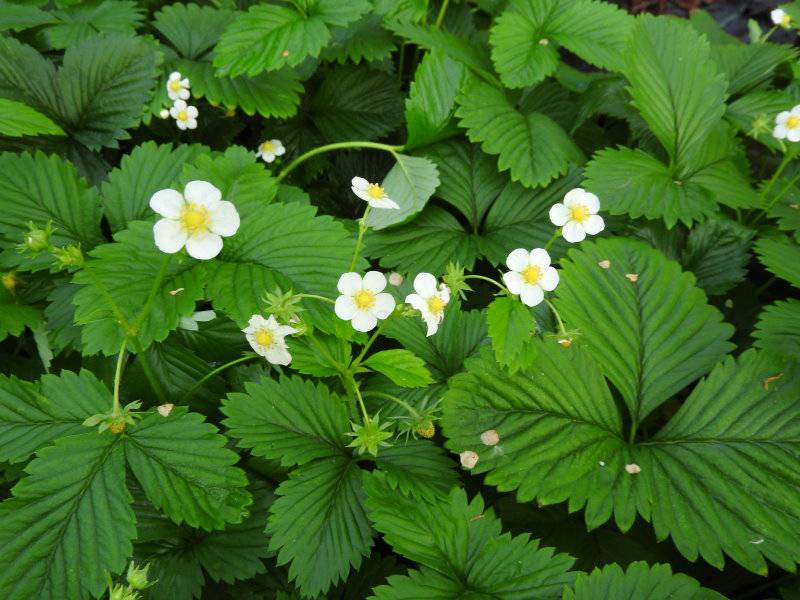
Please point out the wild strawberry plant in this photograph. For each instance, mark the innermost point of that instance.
(397, 300)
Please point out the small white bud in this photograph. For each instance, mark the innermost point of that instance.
(165, 409)
(395, 278)
(164, 114)
(468, 459)
(490, 437)
(633, 468)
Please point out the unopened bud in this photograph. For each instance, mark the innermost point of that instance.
(565, 342)
(490, 437)
(633, 469)
(164, 114)
(68, 256)
(165, 409)
(137, 578)
(468, 459)
(395, 278)
(37, 239)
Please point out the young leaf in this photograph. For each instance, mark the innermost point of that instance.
(532, 145)
(410, 183)
(69, 523)
(18, 119)
(184, 468)
(290, 420)
(401, 366)
(511, 327)
(267, 37)
(319, 524)
(651, 336)
(639, 580)
(34, 415)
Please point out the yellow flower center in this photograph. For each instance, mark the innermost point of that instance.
(579, 213)
(9, 281)
(175, 85)
(264, 337)
(364, 299)
(375, 191)
(195, 219)
(531, 274)
(183, 116)
(785, 20)
(436, 304)
(793, 122)
(267, 147)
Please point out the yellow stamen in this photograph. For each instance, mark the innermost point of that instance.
(793, 122)
(786, 20)
(9, 281)
(266, 147)
(195, 219)
(364, 299)
(183, 116)
(579, 213)
(436, 304)
(264, 337)
(175, 85)
(375, 191)
(532, 274)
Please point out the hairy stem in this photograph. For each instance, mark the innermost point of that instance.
(362, 229)
(337, 146)
(490, 280)
(118, 376)
(561, 329)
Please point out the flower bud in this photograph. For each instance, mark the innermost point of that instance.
(165, 409)
(490, 437)
(137, 578)
(633, 469)
(68, 256)
(395, 278)
(468, 459)
(37, 239)
(164, 114)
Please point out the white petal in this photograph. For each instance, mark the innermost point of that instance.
(257, 348)
(364, 321)
(192, 112)
(384, 202)
(425, 285)
(181, 125)
(178, 107)
(204, 247)
(783, 117)
(432, 321)
(573, 232)
(518, 259)
(573, 197)
(795, 112)
(191, 124)
(255, 323)
(540, 258)
(417, 302)
(359, 183)
(591, 202)
(174, 75)
(514, 282)
(444, 293)
(278, 355)
(202, 192)
(279, 149)
(559, 214)
(173, 96)
(268, 157)
(793, 135)
(363, 194)
(595, 224)
(184, 94)
(204, 316)
(283, 330)
(384, 305)
(272, 323)
(185, 82)
(169, 235)
(780, 132)
(531, 295)
(549, 279)
(167, 203)
(777, 16)
(374, 281)
(349, 283)
(345, 307)
(224, 218)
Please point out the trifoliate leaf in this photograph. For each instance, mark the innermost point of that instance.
(461, 549)
(192, 30)
(33, 415)
(639, 580)
(780, 256)
(526, 36)
(18, 119)
(532, 145)
(181, 463)
(273, 94)
(127, 289)
(430, 106)
(674, 84)
(778, 328)
(410, 183)
(69, 523)
(78, 23)
(147, 169)
(418, 468)
(356, 103)
(511, 326)
(43, 189)
(290, 420)
(267, 37)
(650, 329)
(401, 366)
(561, 438)
(366, 40)
(318, 523)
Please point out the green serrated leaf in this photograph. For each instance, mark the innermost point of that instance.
(417, 468)
(191, 29)
(401, 366)
(780, 256)
(778, 328)
(410, 183)
(18, 119)
(364, 40)
(511, 327)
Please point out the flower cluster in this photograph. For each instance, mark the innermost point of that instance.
(178, 90)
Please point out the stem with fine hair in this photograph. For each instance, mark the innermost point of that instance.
(561, 329)
(490, 280)
(362, 229)
(393, 150)
(118, 376)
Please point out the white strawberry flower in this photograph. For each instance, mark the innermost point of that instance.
(779, 17)
(177, 88)
(429, 300)
(531, 275)
(198, 219)
(269, 150)
(267, 337)
(372, 193)
(363, 300)
(201, 316)
(185, 116)
(787, 125)
(577, 215)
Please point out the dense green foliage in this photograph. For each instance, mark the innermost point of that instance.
(194, 376)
